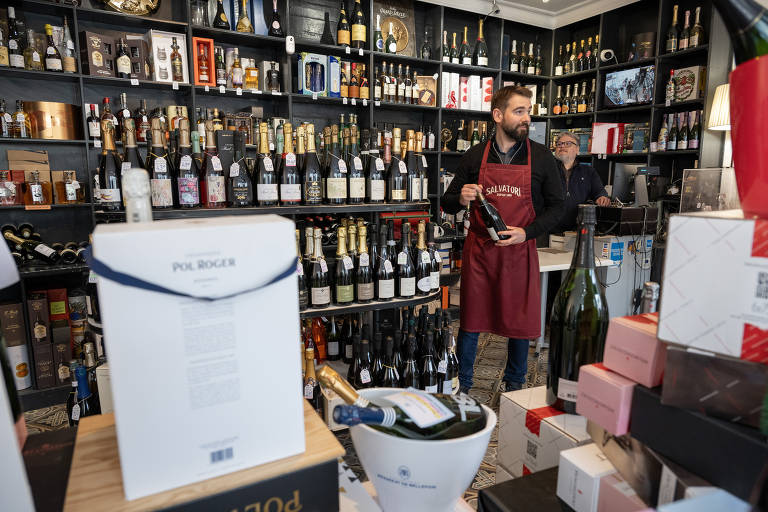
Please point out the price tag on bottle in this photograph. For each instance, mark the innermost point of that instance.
(438, 258)
(92, 277)
(276, 93)
(175, 86)
(290, 159)
(216, 163)
(97, 143)
(425, 257)
(239, 91)
(344, 101)
(222, 89)
(255, 91)
(207, 89)
(365, 103)
(323, 265)
(424, 161)
(435, 76)
(268, 165)
(342, 166)
(309, 390)
(348, 50)
(388, 265)
(161, 165)
(364, 259)
(76, 412)
(348, 263)
(358, 163)
(124, 167)
(234, 170)
(185, 163)
(377, 103)
(134, 81)
(402, 258)
(365, 375)
(403, 168)
(314, 96)
(379, 164)
(299, 269)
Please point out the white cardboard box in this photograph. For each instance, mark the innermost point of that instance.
(531, 434)
(578, 478)
(453, 99)
(716, 284)
(445, 90)
(487, 94)
(502, 475)
(104, 383)
(464, 92)
(180, 360)
(475, 92)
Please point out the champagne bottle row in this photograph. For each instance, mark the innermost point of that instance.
(241, 19)
(679, 131)
(182, 175)
(27, 246)
(464, 54)
(579, 102)
(575, 59)
(360, 276)
(526, 61)
(689, 36)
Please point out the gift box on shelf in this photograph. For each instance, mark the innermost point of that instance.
(203, 50)
(160, 44)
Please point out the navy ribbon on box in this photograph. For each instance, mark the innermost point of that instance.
(103, 270)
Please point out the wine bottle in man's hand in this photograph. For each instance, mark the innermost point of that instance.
(493, 221)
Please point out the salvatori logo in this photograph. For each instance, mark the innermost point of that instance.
(191, 266)
(503, 190)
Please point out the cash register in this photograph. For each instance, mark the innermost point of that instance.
(630, 212)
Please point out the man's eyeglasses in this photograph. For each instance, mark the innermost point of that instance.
(565, 144)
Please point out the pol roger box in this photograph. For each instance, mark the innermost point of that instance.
(716, 284)
(218, 296)
(532, 434)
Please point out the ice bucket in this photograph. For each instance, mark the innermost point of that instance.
(418, 475)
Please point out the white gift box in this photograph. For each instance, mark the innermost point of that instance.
(475, 92)
(160, 43)
(201, 387)
(579, 474)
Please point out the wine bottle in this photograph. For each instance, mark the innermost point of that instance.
(32, 58)
(493, 221)
(276, 26)
(682, 131)
(579, 319)
(694, 132)
(429, 379)
(38, 249)
(327, 35)
(364, 273)
(290, 177)
(87, 403)
(377, 37)
(672, 135)
(446, 50)
(377, 365)
(131, 156)
(53, 60)
(266, 178)
(375, 183)
(480, 57)
(313, 175)
(685, 34)
(159, 169)
(356, 173)
(244, 22)
(455, 58)
(336, 181)
(673, 33)
(406, 272)
(358, 26)
(390, 378)
(108, 186)
(435, 260)
(421, 165)
(188, 170)
(240, 188)
(213, 182)
(410, 376)
(426, 47)
(385, 276)
(423, 263)
(514, 58)
(344, 279)
(363, 377)
(465, 54)
(411, 162)
(697, 31)
(303, 289)
(747, 24)
(15, 50)
(390, 44)
(320, 289)
(343, 33)
(312, 391)
(397, 175)
(72, 397)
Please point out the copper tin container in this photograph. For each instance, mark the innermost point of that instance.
(51, 120)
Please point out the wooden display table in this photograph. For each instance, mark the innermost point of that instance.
(311, 478)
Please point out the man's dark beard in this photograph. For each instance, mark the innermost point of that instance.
(519, 133)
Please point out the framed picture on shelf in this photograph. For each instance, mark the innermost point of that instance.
(400, 14)
(629, 87)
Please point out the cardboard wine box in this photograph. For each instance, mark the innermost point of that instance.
(427, 90)
(58, 315)
(617, 495)
(138, 52)
(579, 475)
(632, 349)
(717, 501)
(62, 355)
(45, 371)
(605, 397)
(97, 54)
(12, 324)
(475, 92)
(203, 48)
(690, 82)
(312, 74)
(39, 324)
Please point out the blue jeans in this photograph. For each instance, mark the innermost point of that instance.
(517, 358)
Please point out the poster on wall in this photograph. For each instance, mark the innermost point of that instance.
(400, 14)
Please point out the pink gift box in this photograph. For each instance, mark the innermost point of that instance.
(632, 349)
(616, 495)
(605, 397)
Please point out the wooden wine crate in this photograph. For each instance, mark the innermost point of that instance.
(309, 479)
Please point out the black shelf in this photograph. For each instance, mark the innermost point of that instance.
(53, 207)
(405, 59)
(677, 152)
(335, 309)
(88, 14)
(303, 98)
(38, 398)
(126, 83)
(28, 74)
(570, 116)
(682, 105)
(470, 70)
(246, 93)
(8, 140)
(621, 110)
(263, 210)
(52, 270)
(220, 35)
(628, 65)
(466, 112)
(452, 153)
(43, 7)
(404, 106)
(577, 74)
(524, 76)
(681, 54)
(625, 156)
(330, 49)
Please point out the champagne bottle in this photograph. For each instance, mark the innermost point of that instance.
(336, 181)
(423, 263)
(311, 385)
(406, 272)
(344, 287)
(375, 183)
(391, 43)
(213, 182)
(364, 272)
(493, 221)
(358, 26)
(107, 188)
(158, 167)
(356, 173)
(446, 50)
(343, 33)
(747, 24)
(410, 376)
(15, 50)
(673, 33)
(411, 162)
(327, 35)
(426, 47)
(481, 49)
(377, 37)
(303, 291)
(377, 364)
(320, 289)
(240, 188)
(465, 54)
(397, 175)
(385, 276)
(697, 31)
(390, 378)
(363, 375)
(313, 175)
(290, 177)
(435, 260)
(53, 60)
(244, 22)
(188, 180)
(685, 34)
(695, 131)
(38, 249)
(275, 26)
(266, 178)
(579, 319)
(454, 51)
(429, 379)
(87, 402)
(131, 156)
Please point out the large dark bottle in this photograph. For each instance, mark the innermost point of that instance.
(747, 23)
(333, 341)
(397, 174)
(320, 281)
(385, 275)
(345, 275)
(410, 376)
(159, 169)
(327, 36)
(87, 403)
(375, 181)
(188, 176)
(412, 163)
(240, 187)
(220, 18)
(449, 340)
(435, 260)
(359, 29)
(493, 221)
(290, 177)
(579, 319)
(336, 181)
(397, 356)
(313, 172)
(108, 186)
(429, 378)
(213, 190)
(377, 366)
(390, 378)
(406, 271)
(343, 32)
(266, 177)
(364, 376)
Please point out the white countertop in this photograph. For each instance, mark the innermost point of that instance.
(551, 260)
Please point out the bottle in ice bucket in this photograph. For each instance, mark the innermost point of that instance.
(414, 414)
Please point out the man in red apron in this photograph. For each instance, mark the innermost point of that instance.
(500, 280)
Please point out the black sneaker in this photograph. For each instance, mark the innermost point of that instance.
(512, 386)
(464, 390)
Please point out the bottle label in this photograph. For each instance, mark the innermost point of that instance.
(425, 284)
(494, 236)
(290, 159)
(377, 189)
(189, 192)
(530, 70)
(47, 252)
(348, 351)
(434, 278)
(336, 188)
(447, 387)
(392, 47)
(398, 194)
(342, 166)
(290, 192)
(386, 288)
(402, 258)
(357, 187)
(94, 129)
(268, 164)
(266, 191)
(379, 164)
(365, 376)
(185, 163)
(312, 192)
(415, 189)
(425, 410)
(124, 65)
(333, 348)
(401, 89)
(70, 191)
(17, 61)
(299, 268)
(365, 291)
(108, 195)
(216, 189)
(567, 389)
(342, 37)
(425, 189)
(482, 61)
(558, 70)
(323, 265)
(35, 57)
(37, 193)
(358, 33)
(309, 389)
(514, 67)
(345, 293)
(467, 61)
(13, 45)
(693, 41)
(321, 296)
(161, 192)
(407, 286)
(53, 64)
(425, 257)
(347, 261)
(377, 92)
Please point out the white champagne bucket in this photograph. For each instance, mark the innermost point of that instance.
(418, 475)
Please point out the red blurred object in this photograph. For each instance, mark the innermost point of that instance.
(749, 104)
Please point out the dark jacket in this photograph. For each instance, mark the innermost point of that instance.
(584, 185)
(546, 188)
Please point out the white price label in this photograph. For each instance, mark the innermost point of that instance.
(299, 268)
(309, 390)
(134, 81)
(347, 263)
(314, 96)
(290, 159)
(354, 102)
(358, 163)
(379, 164)
(92, 277)
(239, 91)
(97, 143)
(365, 103)
(175, 86)
(360, 52)
(124, 167)
(276, 93)
(364, 259)
(365, 375)
(234, 170)
(323, 265)
(344, 101)
(348, 50)
(207, 89)
(255, 91)
(70, 45)
(567, 389)
(403, 168)
(377, 103)
(76, 412)
(162, 166)
(438, 258)
(442, 366)
(185, 163)
(268, 164)
(342, 166)
(425, 257)
(402, 258)
(216, 163)
(222, 89)
(423, 409)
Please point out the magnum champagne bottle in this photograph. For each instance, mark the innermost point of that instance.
(158, 167)
(406, 272)
(38, 249)
(188, 180)
(423, 263)
(320, 282)
(276, 26)
(364, 272)
(108, 186)
(429, 378)
(358, 26)
(313, 173)
(240, 188)
(213, 182)
(266, 178)
(421, 163)
(375, 183)
(327, 36)
(302, 279)
(345, 286)
(336, 183)
(412, 164)
(747, 23)
(579, 319)
(493, 221)
(385, 275)
(377, 366)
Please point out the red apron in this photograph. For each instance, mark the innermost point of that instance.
(500, 285)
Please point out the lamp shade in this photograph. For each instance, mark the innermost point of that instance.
(720, 111)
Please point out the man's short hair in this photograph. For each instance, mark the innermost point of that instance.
(501, 97)
(570, 134)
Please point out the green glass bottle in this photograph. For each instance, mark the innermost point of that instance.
(579, 319)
